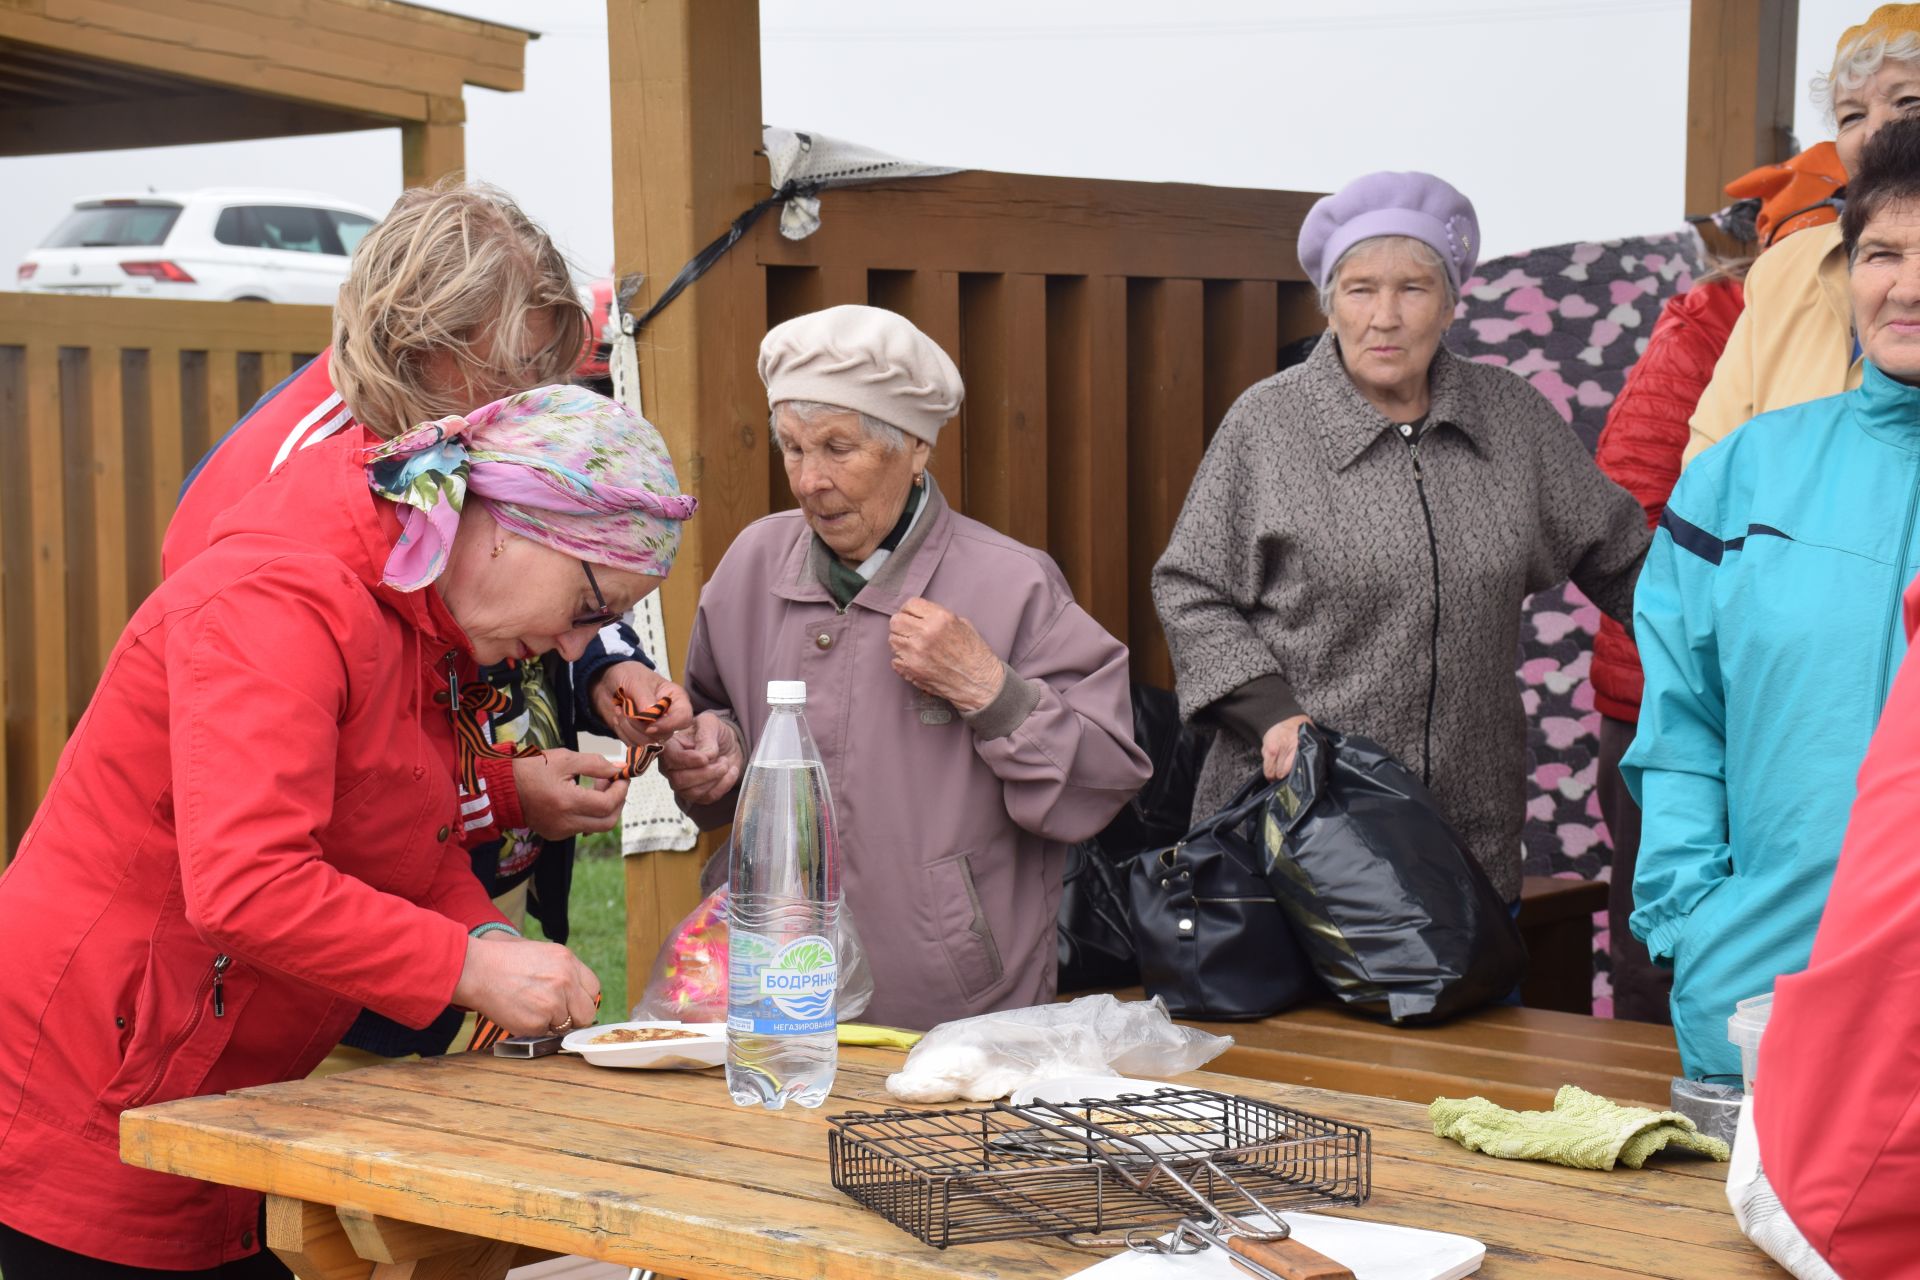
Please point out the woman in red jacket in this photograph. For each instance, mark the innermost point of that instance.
(1640, 450)
(252, 832)
(1833, 1095)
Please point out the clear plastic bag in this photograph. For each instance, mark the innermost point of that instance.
(989, 1056)
(689, 978)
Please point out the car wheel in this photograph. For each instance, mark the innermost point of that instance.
(251, 297)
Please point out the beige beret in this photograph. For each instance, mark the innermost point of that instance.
(866, 359)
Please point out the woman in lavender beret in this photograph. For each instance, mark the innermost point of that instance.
(1357, 543)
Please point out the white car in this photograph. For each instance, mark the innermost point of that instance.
(215, 245)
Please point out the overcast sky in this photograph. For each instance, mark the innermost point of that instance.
(1561, 119)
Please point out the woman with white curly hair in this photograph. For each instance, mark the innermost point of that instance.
(1795, 341)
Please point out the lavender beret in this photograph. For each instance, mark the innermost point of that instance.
(1418, 205)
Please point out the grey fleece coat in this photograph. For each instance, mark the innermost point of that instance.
(1380, 573)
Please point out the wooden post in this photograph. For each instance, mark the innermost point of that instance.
(1740, 93)
(686, 127)
(431, 149)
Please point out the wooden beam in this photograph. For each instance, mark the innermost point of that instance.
(1740, 93)
(1003, 348)
(1026, 224)
(429, 152)
(139, 323)
(686, 111)
(1086, 351)
(168, 121)
(310, 1240)
(1166, 436)
(197, 52)
(389, 40)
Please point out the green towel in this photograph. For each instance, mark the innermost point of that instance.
(1583, 1131)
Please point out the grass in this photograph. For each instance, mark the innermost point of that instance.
(597, 913)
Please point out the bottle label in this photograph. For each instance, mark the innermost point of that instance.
(792, 986)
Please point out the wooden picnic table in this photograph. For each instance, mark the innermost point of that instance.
(465, 1165)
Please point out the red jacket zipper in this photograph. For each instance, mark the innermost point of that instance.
(210, 985)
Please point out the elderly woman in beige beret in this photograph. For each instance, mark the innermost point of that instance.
(973, 719)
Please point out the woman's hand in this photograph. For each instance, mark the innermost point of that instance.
(554, 803)
(703, 764)
(644, 686)
(1280, 745)
(938, 652)
(528, 987)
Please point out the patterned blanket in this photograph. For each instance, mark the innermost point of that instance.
(1572, 319)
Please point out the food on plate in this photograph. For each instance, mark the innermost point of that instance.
(1133, 1125)
(643, 1035)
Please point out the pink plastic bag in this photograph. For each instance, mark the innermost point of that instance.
(689, 978)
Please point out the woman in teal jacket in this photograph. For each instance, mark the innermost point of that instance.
(1768, 617)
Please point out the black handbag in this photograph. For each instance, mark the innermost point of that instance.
(1397, 915)
(1095, 933)
(1211, 938)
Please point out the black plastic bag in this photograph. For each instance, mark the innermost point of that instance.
(1212, 938)
(1395, 913)
(1095, 935)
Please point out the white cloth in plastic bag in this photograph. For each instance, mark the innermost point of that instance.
(1759, 1212)
(989, 1056)
(814, 158)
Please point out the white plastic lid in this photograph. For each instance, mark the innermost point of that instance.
(786, 691)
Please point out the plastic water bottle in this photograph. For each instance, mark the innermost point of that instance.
(782, 970)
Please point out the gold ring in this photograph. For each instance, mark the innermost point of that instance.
(564, 1026)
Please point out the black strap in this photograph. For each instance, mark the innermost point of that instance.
(1246, 802)
(699, 264)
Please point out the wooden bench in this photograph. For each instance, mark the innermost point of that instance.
(1516, 1057)
(1556, 921)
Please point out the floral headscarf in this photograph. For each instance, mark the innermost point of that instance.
(560, 465)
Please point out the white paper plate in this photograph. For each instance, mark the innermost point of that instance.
(708, 1050)
(1371, 1250)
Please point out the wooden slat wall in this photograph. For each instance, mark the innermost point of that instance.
(104, 404)
(1102, 329)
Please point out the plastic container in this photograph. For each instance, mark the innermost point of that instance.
(1744, 1029)
(782, 913)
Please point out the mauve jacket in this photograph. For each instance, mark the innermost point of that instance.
(953, 829)
(1384, 582)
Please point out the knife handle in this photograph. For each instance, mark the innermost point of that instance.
(1289, 1258)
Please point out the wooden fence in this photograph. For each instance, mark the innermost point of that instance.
(1102, 330)
(104, 405)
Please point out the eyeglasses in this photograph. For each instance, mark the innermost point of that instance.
(602, 615)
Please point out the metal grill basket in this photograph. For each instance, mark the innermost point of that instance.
(1098, 1168)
